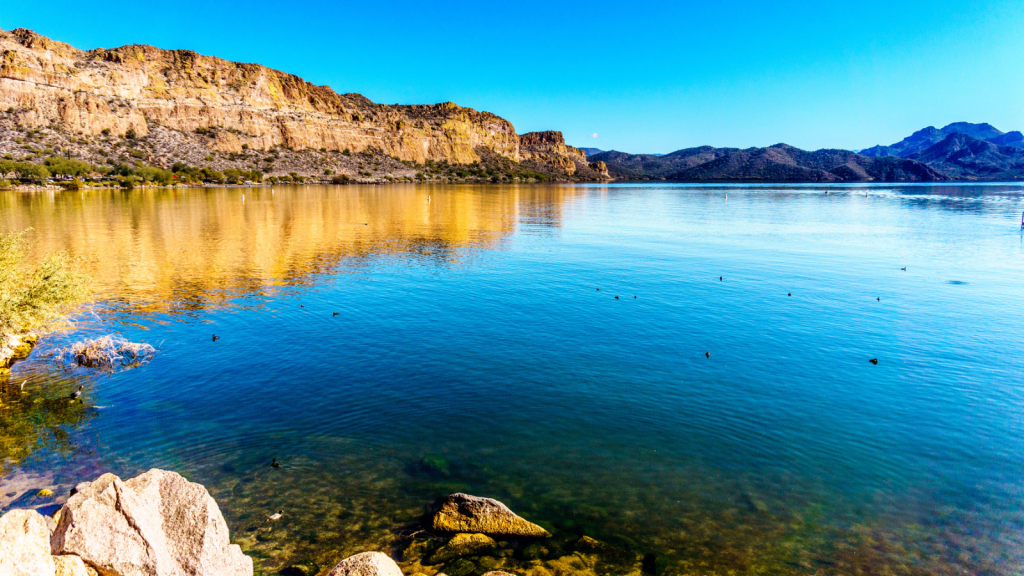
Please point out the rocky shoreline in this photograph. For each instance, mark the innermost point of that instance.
(16, 347)
(160, 524)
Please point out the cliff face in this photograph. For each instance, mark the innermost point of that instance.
(141, 87)
(549, 148)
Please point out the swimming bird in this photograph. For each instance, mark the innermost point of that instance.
(77, 393)
(215, 338)
(719, 278)
(904, 268)
(874, 361)
(790, 294)
(274, 463)
(598, 289)
(879, 299)
(277, 516)
(616, 297)
(333, 314)
(707, 354)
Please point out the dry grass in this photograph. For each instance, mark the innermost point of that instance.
(105, 353)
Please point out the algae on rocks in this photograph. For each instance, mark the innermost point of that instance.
(465, 513)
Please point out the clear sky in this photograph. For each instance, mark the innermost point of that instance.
(643, 76)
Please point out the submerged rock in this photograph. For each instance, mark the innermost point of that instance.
(157, 524)
(465, 513)
(435, 465)
(366, 564)
(24, 544)
(464, 545)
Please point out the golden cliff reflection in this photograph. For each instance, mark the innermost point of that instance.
(180, 249)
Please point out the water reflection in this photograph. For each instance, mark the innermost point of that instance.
(167, 250)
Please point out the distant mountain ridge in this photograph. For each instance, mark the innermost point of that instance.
(927, 137)
(963, 157)
(958, 151)
(778, 163)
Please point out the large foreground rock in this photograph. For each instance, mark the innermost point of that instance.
(465, 513)
(72, 566)
(158, 524)
(366, 564)
(24, 545)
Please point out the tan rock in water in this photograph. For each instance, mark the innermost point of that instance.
(24, 544)
(465, 513)
(157, 524)
(463, 545)
(366, 564)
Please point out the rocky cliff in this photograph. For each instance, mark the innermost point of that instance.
(189, 99)
(547, 152)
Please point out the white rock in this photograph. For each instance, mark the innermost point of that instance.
(24, 545)
(158, 524)
(366, 564)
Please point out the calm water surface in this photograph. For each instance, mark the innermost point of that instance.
(546, 346)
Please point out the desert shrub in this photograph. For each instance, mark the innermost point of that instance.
(346, 152)
(105, 132)
(340, 179)
(31, 296)
(130, 134)
(109, 353)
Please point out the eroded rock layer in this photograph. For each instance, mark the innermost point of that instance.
(135, 88)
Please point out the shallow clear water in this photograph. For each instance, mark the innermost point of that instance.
(481, 330)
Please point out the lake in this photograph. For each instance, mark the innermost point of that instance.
(679, 371)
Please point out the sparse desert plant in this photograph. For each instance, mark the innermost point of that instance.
(109, 353)
(32, 296)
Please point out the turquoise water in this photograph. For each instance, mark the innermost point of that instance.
(547, 346)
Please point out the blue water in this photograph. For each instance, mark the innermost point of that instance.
(549, 344)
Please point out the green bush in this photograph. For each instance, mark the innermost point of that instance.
(130, 134)
(32, 296)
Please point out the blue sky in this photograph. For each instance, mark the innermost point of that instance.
(643, 76)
